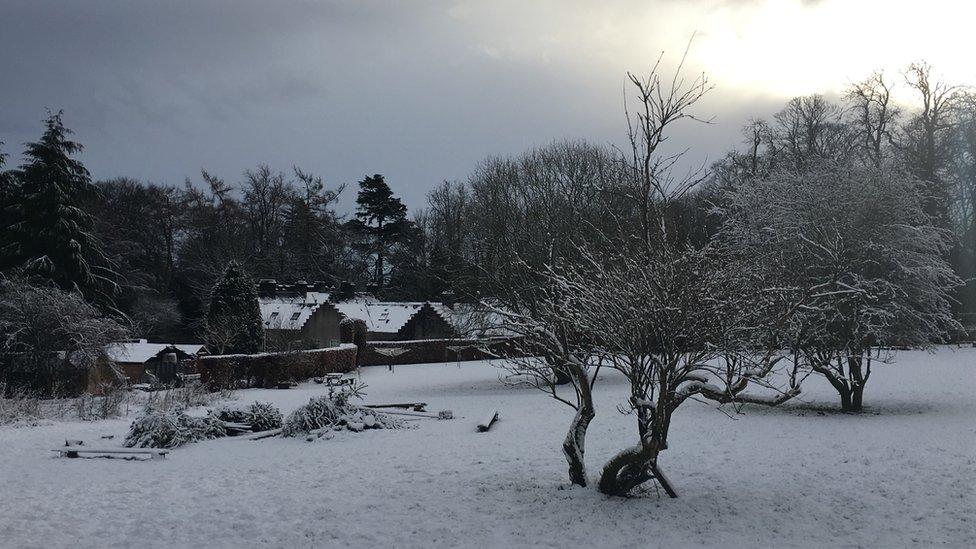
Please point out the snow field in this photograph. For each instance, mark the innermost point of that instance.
(802, 475)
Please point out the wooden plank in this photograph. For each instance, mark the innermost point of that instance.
(487, 423)
(73, 451)
(260, 435)
(414, 414)
(416, 406)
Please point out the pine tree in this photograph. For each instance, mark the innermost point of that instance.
(382, 219)
(234, 316)
(46, 233)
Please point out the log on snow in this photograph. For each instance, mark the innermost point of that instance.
(487, 423)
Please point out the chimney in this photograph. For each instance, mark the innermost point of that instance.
(322, 286)
(267, 287)
(346, 290)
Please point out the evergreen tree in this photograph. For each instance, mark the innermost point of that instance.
(6, 196)
(312, 229)
(234, 316)
(46, 233)
(381, 219)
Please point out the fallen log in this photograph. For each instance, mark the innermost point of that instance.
(487, 423)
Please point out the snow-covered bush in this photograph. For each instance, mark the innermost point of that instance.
(18, 406)
(108, 404)
(50, 338)
(866, 263)
(261, 416)
(335, 411)
(170, 429)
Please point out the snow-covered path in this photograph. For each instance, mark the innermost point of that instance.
(802, 475)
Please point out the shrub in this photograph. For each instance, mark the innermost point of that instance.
(18, 406)
(260, 416)
(336, 412)
(170, 429)
(353, 330)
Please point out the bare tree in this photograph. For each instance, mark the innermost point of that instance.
(874, 116)
(926, 136)
(554, 353)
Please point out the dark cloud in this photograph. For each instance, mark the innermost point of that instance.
(419, 91)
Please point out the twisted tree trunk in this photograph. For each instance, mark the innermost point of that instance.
(638, 464)
(574, 445)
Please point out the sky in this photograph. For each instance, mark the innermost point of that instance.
(421, 91)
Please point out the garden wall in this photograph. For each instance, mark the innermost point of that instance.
(268, 369)
(420, 351)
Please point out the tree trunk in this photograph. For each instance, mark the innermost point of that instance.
(857, 399)
(845, 399)
(629, 469)
(574, 445)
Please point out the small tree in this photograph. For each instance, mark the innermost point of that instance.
(554, 353)
(856, 247)
(234, 322)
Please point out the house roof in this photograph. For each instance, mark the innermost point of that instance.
(290, 312)
(386, 317)
(141, 351)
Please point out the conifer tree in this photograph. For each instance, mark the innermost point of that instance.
(46, 233)
(382, 219)
(234, 316)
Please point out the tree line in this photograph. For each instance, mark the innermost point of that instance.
(538, 205)
(152, 252)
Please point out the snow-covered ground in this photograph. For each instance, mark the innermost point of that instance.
(902, 474)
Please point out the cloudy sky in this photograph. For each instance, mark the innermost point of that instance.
(420, 91)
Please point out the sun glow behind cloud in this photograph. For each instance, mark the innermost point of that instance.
(789, 48)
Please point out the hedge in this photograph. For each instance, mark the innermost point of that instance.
(269, 369)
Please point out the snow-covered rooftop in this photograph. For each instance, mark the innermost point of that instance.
(290, 312)
(380, 316)
(389, 317)
(141, 351)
